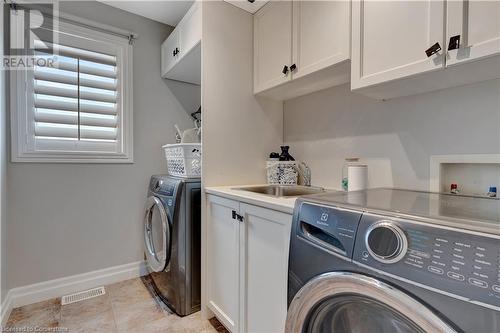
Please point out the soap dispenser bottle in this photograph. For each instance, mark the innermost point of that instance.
(285, 155)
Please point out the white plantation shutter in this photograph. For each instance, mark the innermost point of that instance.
(78, 99)
(78, 109)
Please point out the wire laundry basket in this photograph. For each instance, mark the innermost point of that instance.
(183, 159)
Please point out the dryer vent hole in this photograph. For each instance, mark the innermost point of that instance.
(82, 295)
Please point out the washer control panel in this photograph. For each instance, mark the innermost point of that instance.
(458, 262)
(162, 186)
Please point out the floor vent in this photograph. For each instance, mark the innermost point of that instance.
(82, 295)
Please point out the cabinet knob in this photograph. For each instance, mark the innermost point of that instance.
(293, 67)
(285, 70)
(454, 43)
(433, 49)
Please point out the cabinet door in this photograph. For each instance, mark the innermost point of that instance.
(168, 58)
(272, 44)
(478, 25)
(321, 35)
(389, 39)
(190, 29)
(264, 264)
(223, 263)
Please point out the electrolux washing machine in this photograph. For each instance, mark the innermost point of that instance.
(387, 260)
(172, 238)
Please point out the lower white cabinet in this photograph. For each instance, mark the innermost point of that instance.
(223, 261)
(265, 237)
(247, 265)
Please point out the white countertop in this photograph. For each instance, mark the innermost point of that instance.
(284, 205)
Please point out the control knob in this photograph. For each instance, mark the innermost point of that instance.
(386, 242)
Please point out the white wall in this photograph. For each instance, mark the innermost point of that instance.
(238, 130)
(3, 174)
(396, 137)
(69, 219)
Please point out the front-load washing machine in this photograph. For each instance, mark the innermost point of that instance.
(172, 241)
(386, 260)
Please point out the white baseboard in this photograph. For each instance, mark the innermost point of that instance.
(59, 287)
(6, 309)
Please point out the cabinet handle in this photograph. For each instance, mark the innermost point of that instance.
(454, 43)
(433, 49)
(285, 70)
(237, 216)
(293, 67)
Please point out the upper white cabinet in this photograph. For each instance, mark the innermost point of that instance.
(389, 39)
(247, 265)
(321, 35)
(476, 27)
(402, 48)
(190, 29)
(272, 45)
(300, 47)
(250, 7)
(169, 52)
(181, 51)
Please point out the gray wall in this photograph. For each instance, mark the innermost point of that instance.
(70, 219)
(396, 137)
(3, 176)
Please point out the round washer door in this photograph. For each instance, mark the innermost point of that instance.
(156, 235)
(342, 302)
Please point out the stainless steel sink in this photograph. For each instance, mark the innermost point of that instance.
(282, 190)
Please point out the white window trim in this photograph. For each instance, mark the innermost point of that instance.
(20, 114)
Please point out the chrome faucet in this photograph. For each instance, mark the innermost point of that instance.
(305, 174)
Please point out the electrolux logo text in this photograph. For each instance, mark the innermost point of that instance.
(324, 217)
(323, 220)
(31, 26)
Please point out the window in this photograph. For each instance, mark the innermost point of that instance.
(80, 110)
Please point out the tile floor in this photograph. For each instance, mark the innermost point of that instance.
(126, 307)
